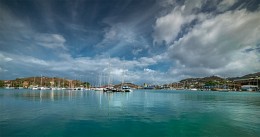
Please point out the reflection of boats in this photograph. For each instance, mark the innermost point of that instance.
(223, 90)
(9, 87)
(219, 89)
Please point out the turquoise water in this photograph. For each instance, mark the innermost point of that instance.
(141, 113)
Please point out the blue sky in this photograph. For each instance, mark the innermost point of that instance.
(152, 41)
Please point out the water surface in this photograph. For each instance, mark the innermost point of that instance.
(141, 113)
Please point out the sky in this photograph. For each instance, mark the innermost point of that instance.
(138, 41)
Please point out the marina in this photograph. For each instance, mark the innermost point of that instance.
(141, 113)
(129, 68)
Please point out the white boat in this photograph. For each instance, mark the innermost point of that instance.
(123, 87)
(78, 88)
(63, 88)
(35, 88)
(126, 89)
(59, 88)
(249, 88)
(42, 88)
(110, 89)
(98, 89)
(53, 88)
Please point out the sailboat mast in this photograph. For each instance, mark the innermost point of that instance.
(109, 67)
(100, 79)
(59, 83)
(41, 80)
(63, 83)
(123, 77)
(53, 83)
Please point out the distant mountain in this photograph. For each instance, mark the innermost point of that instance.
(48, 81)
(217, 78)
(212, 78)
(205, 79)
(252, 75)
(131, 85)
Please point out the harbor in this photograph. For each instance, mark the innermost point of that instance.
(129, 68)
(141, 113)
(250, 82)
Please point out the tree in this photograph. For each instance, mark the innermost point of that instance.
(86, 84)
(2, 83)
(211, 83)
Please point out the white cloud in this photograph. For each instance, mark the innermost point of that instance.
(27, 60)
(4, 58)
(3, 70)
(166, 3)
(190, 5)
(51, 41)
(35, 61)
(110, 34)
(147, 70)
(117, 33)
(168, 27)
(118, 38)
(18, 36)
(225, 5)
(218, 45)
(146, 61)
(92, 67)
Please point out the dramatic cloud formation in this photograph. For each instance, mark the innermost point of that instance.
(147, 41)
(216, 44)
(220, 44)
(168, 27)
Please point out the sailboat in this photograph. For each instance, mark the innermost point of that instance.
(100, 83)
(41, 87)
(109, 87)
(123, 87)
(34, 86)
(63, 88)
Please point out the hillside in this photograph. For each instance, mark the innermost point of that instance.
(205, 79)
(42, 81)
(252, 75)
(127, 84)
